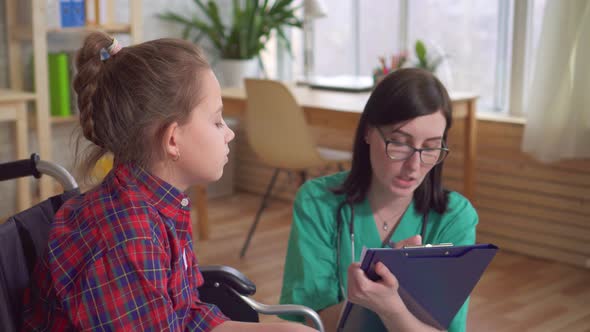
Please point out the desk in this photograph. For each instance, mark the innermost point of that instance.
(342, 110)
(13, 108)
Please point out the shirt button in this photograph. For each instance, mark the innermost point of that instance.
(184, 202)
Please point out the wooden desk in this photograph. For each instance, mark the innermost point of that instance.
(342, 110)
(13, 108)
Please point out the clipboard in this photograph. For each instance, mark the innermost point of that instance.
(434, 282)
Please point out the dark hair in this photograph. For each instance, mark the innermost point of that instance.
(127, 101)
(401, 96)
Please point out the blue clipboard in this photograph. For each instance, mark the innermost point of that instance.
(434, 282)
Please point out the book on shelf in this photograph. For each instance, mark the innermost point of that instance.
(66, 13)
(59, 84)
(73, 13)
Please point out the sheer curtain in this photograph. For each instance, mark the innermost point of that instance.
(558, 103)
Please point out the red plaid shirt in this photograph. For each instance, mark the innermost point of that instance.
(120, 258)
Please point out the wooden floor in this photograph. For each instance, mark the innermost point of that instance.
(517, 293)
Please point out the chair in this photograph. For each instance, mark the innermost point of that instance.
(23, 239)
(278, 133)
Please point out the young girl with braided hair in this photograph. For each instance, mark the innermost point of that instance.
(120, 256)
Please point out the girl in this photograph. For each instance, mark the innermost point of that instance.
(392, 196)
(120, 256)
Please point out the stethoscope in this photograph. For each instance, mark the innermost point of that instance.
(339, 222)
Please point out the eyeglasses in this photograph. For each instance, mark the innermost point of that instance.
(400, 151)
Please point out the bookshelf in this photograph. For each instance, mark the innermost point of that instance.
(32, 30)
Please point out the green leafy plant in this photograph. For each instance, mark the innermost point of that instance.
(251, 26)
(425, 61)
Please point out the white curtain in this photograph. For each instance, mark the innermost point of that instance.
(558, 104)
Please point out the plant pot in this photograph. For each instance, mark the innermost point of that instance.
(231, 73)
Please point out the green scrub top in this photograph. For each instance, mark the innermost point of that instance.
(311, 270)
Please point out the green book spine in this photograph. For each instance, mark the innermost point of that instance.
(59, 84)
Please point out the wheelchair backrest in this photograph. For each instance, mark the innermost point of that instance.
(23, 239)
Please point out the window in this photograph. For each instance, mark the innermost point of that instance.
(379, 33)
(334, 44)
(268, 56)
(475, 35)
(353, 35)
(470, 35)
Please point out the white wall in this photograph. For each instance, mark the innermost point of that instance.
(157, 28)
(154, 28)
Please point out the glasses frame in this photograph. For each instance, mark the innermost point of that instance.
(387, 141)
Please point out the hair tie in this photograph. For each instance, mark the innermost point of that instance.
(113, 49)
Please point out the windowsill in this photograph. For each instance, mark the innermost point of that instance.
(499, 117)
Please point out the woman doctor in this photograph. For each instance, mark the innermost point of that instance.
(392, 196)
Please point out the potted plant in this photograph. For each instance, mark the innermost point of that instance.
(239, 43)
(425, 59)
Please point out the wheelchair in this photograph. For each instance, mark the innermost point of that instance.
(23, 238)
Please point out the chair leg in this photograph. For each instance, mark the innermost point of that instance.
(259, 212)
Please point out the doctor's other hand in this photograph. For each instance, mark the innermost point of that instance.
(379, 296)
(415, 240)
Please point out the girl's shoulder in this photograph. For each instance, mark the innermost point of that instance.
(102, 212)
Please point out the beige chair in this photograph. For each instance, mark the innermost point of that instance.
(278, 133)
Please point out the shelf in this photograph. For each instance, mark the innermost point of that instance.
(24, 33)
(110, 28)
(64, 119)
(114, 28)
(15, 95)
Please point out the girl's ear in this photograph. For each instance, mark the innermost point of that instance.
(170, 141)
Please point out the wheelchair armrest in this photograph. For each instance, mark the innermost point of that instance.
(286, 309)
(228, 275)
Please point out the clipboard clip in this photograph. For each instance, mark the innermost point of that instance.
(440, 245)
(428, 253)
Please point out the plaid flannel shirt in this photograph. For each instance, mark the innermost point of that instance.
(120, 258)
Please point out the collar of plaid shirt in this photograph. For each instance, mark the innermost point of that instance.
(166, 198)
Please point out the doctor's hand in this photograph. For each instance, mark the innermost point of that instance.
(415, 240)
(379, 296)
(382, 296)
